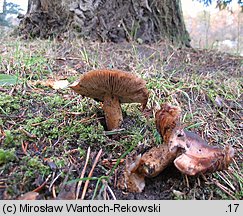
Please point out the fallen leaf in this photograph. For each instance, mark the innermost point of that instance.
(67, 192)
(178, 194)
(60, 84)
(55, 84)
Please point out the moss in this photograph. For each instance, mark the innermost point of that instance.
(7, 156)
(9, 104)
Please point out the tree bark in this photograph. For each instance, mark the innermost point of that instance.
(146, 21)
(45, 18)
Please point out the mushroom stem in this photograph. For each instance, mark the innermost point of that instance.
(113, 112)
(156, 160)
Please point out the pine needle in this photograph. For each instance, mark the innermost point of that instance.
(90, 174)
(82, 174)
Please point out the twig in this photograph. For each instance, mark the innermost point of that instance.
(90, 174)
(226, 180)
(87, 119)
(115, 179)
(24, 147)
(42, 185)
(82, 174)
(54, 192)
(223, 188)
(72, 151)
(54, 180)
(39, 123)
(110, 163)
(109, 189)
(28, 134)
(115, 131)
(186, 180)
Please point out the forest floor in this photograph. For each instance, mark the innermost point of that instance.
(45, 133)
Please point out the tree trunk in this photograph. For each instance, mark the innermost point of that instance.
(145, 20)
(109, 20)
(45, 18)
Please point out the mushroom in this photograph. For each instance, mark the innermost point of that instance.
(194, 155)
(158, 158)
(154, 161)
(112, 87)
(131, 179)
(167, 121)
(189, 152)
(198, 156)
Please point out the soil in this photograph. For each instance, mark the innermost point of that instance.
(164, 59)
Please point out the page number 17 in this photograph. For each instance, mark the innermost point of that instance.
(233, 207)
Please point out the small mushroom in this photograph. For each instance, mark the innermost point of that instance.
(131, 179)
(112, 87)
(167, 121)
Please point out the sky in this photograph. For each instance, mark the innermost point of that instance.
(1, 6)
(189, 6)
(186, 4)
(194, 7)
(23, 3)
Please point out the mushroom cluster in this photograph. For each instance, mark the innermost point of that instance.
(189, 152)
(112, 87)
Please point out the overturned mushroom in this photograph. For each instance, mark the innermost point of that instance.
(198, 156)
(112, 87)
(194, 154)
(154, 161)
(158, 158)
(190, 153)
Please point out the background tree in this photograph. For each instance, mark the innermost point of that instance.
(45, 18)
(108, 20)
(8, 8)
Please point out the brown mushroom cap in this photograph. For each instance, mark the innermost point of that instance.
(194, 154)
(96, 84)
(112, 87)
(167, 121)
(217, 159)
(197, 156)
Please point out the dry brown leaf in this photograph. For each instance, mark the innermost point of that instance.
(55, 84)
(59, 84)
